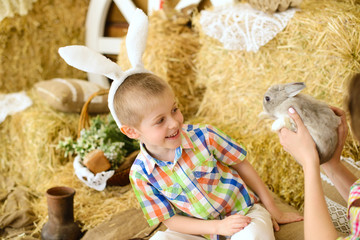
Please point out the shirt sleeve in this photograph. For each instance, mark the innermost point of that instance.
(224, 148)
(155, 206)
(353, 212)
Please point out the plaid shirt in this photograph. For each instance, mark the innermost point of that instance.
(198, 183)
(354, 212)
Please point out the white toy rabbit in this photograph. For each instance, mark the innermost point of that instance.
(319, 119)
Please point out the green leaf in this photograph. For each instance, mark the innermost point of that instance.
(102, 134)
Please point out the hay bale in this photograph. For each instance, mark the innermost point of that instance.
(170, 52)
(29, 155)
(320, 46)
(29, 44)
(30, 137)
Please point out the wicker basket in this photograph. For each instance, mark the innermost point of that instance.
(121, 175)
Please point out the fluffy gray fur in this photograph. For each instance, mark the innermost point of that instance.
(319, 119)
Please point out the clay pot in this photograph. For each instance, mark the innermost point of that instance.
(60, 225)
(121, 175)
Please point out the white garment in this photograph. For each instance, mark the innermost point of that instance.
(12, 103)
(171, 235)
(241, 27)
(260, 228)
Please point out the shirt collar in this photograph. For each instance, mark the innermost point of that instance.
(185, 138)
(150, 161)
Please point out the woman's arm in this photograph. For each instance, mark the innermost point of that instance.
(253, 180)
(318, 224)
(301, 146)
(339, 175)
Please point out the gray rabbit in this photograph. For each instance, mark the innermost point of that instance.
(319, 119)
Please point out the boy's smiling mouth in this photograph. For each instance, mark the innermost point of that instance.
(173, 135)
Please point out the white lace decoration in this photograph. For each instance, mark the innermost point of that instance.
(241, 27)
(326, 179)
(338, 215)
(97, 182)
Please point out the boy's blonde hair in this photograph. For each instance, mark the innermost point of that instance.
(135, 95)
(354, 104)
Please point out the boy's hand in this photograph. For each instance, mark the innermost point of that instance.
(285, 217)
(233, 224)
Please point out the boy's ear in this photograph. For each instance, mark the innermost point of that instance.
(130, 132)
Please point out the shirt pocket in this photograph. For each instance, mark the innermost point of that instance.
(172, 192)
(207, 175)
(177, 196)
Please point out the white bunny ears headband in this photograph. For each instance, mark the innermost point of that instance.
(88, 60)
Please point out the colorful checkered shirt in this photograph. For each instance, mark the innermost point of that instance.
(354, 212)
(198, 183)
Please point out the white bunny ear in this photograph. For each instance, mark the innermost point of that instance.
(136, 38)
(88, 60)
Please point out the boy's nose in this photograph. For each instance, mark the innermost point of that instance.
(173, 123)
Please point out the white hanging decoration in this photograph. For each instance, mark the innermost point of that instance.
(12, 103)
(241, 27)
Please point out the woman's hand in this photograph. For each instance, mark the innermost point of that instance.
(342, 134)
(233, 224)
(299, 144)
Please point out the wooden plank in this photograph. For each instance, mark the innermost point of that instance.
(109, 45)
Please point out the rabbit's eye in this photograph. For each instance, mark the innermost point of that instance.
(267, 98)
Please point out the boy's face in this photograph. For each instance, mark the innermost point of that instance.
(160, 128)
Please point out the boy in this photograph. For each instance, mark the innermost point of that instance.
(194, 178)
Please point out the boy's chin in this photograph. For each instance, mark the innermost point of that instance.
(174, 145)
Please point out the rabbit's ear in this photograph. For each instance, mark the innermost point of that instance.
(136, 38)
(88, 60)
(292, 89)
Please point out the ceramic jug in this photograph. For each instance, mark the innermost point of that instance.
(60, 225)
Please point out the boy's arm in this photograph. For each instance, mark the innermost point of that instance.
(225, 227)
(253, 180)
(155, 205)
(220, 143)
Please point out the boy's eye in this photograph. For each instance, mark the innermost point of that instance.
(160, 121)
(175, 109)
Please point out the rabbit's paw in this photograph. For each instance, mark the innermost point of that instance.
(282, 122)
